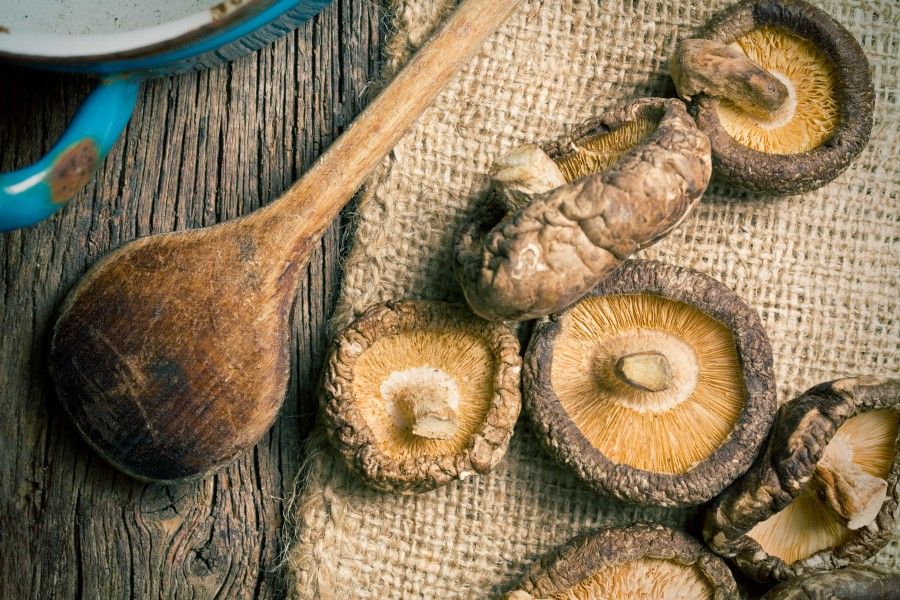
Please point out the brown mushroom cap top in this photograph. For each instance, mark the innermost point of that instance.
(547, 254)
(827, 119)
(641, 561)
(686, 420)
(418, 393)
(781, 519)
(859, 582)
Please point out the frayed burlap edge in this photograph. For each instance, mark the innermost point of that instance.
(315, 505)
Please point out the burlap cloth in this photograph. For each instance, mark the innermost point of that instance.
(820, 268)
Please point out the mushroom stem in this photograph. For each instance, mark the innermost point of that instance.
(647, 371)
(433, 407)
(704, 66)
(522, 173)
(848, 490)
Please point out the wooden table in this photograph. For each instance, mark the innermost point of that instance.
(201, 148)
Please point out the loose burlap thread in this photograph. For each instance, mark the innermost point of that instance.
(820, 268)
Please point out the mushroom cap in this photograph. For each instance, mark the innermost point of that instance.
(685, 300)
(853, 91)
(404, 347)
(640, 561)
(546, 255)
(859, 582)
(802, 431)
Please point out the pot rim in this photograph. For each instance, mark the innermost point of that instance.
(39, 48)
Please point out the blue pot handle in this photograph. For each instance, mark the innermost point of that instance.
(34, 193)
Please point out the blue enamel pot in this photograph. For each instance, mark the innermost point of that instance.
(122, 42)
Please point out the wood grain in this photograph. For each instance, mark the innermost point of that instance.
(201, 148)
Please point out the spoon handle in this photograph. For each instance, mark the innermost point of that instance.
(299, 217)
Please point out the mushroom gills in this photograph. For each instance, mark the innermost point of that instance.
(594, 153)
(640, 366)
(640, 578)
(812, 112)
(425, 393)
(813, 521)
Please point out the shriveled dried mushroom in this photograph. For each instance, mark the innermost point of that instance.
(655, 388)
(824, 491)
(783, 91)
(641, 561)
(419, 393)
(859, 582)
(634, 176)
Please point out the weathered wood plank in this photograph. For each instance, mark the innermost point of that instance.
(201, 147)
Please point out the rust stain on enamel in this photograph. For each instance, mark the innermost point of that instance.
(223, 8)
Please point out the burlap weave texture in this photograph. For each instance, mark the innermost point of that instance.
(820, 268)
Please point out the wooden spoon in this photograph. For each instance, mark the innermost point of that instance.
(171, 354)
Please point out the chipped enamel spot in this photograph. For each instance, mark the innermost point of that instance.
(72, 169)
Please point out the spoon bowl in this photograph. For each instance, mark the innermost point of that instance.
(171, 355)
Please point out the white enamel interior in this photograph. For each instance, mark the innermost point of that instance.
(78, 17)
(72, 28)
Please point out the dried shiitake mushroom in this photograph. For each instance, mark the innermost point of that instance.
(824, 491)
(418, 393)
(619, 186)
(655, 388)
(641, 561)
(783, 91)
(859, 582)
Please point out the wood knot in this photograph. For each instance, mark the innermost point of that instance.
(204, 561)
